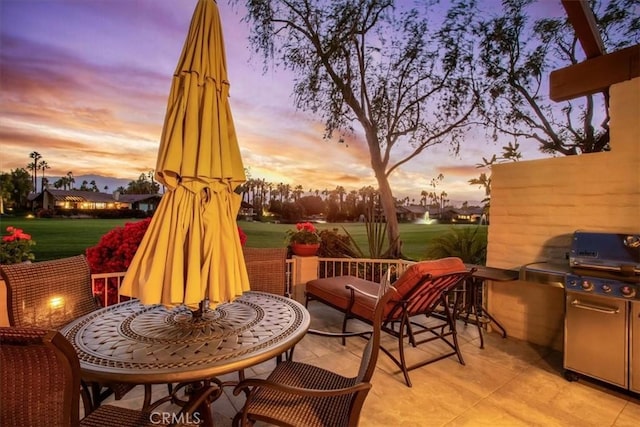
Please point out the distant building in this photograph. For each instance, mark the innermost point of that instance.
(246, 211)
(420, 213)
(472, 214)
(412, 213)
(92, 200)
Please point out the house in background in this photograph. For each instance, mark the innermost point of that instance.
(57, 200)
(472, 214)
(247, 211)
(141, 202)
(412, 213)
(427, 214)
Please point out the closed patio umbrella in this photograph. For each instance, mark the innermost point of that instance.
(191, 249)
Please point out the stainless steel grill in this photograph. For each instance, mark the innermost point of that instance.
(602, 319)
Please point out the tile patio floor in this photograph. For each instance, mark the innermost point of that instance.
(508, 383)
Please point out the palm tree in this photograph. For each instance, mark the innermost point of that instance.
(423, 197)
(43, 166)
(34, 167)
(60, 183)
(70, 180)
(443, 201)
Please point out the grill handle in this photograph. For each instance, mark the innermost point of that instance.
(600, 309)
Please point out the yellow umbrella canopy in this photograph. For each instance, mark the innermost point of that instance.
(191, 249)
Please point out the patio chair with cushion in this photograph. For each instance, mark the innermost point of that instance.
(50, 294)
(421, 290)
(300, 394)
(40, 385)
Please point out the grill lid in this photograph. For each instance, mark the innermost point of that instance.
(615, 252)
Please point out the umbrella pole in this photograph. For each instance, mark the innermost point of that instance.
(203, 306)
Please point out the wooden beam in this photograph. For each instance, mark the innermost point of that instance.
(595, 75)
(584, 23)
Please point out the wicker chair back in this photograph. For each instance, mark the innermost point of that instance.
(48, 294)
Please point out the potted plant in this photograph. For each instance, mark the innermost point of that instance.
(16, 247)
(304, 240)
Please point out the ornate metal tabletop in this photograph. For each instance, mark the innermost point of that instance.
(133, 343)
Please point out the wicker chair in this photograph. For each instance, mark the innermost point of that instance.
(40, 384)
(422, 290)
(50, 294)
(300, 394)
(267, 269)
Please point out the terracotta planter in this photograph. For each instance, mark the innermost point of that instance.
(305, 249)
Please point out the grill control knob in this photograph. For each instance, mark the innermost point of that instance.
(627, 291)
(587, 286)
(606, 288)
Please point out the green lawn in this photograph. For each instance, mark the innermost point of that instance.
(58, 238)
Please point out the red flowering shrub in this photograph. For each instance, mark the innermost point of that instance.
(115, 250)
(113, 254)
(243, 236)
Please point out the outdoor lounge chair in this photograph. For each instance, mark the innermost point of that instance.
(300, 394)
(40, 385)
(50, 294)
(422, 290)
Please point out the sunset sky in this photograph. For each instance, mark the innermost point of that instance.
(85, 83)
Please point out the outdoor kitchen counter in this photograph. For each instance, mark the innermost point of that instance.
(530, 305)
(493, 273)
(545, 273)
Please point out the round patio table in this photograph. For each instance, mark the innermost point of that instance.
(132, 343)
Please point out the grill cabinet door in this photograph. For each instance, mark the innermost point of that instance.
(596, 337)
(635, 347)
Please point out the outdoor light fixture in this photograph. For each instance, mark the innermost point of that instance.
(56, 303)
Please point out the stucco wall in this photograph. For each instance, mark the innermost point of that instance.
(537, 205)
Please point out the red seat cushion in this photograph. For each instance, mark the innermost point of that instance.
(333, 289)
(420, 269)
